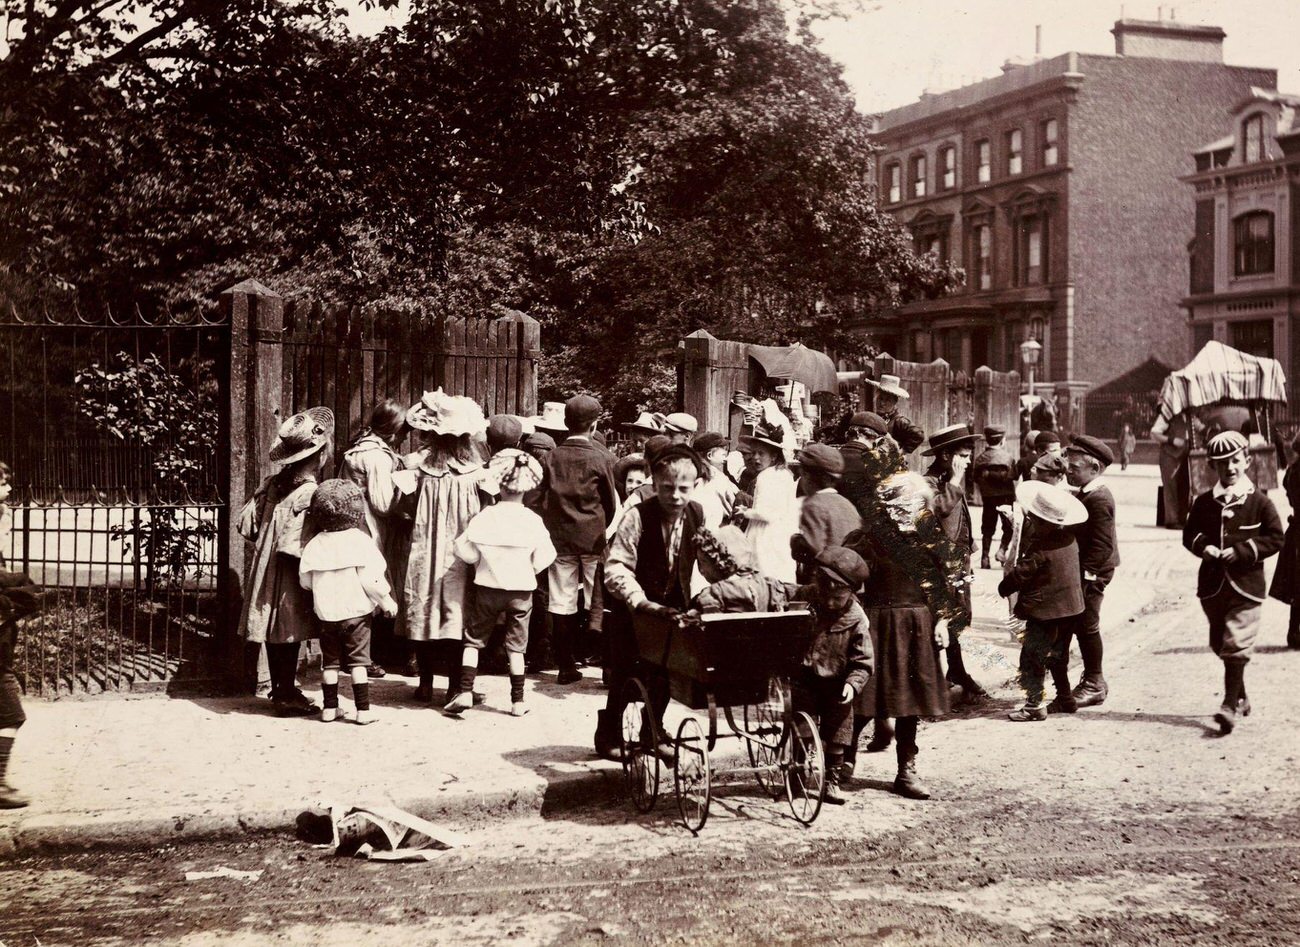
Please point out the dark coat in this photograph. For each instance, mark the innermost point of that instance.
(906, 434)
(1250, 526)
(950, 508)
(1286, 577)
(824, 520)
(1046, 574)
(842, 649)
(864, 470)
(1098, 550)
(579, 496)
(994, 473)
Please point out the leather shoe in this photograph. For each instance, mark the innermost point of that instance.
(1063, 704)
(1090, 693)
(984, 562)
(1027, 714)
(11, 798)
(1243, 707)
(295, 704)
(1226, 718)
(569, 676)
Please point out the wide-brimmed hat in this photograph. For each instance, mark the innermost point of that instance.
(766, 436)
(440, 413)
(302, 435)
(1051, 503)
(1226, 444)
(645, 423)
(952, 437)
(551, 420)
(515, 470)
(890, 384)
(679, 422)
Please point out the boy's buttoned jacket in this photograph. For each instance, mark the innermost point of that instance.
(1248, 525)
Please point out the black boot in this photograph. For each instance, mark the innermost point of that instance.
(832, 794)
(881, 735)
(609, 741)
(1233, 689)
(563, 634)
(1092, 691)
(1293, 626)
(906, 783)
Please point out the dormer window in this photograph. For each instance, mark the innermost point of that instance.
(1252, 140)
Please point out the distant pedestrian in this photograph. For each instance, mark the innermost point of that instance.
(346, 575)
(1127, 446)
(277, 609)
(508, 546)
(993, 471)
(448, 481)
(579, 502)
(1233, 528)
(1045, 581)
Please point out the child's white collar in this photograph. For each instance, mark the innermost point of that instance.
(1238, 491)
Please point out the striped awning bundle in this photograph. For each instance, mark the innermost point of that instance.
(1220, 373)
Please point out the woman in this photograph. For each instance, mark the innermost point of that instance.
(909, 599)
(445, 481)
(774, 516)
(370, 463)
(277, 610)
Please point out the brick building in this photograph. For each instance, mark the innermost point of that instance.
(1056, 186)
(1245, 251)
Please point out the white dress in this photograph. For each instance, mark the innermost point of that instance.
(773, 519)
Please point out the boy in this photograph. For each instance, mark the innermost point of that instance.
(1046, 581)
(837, 665)
(995, 475)
(825, 517)
(1233, 528)
(649, 569)
(345, 573)
(725, 559)
(579, 501)
(1086, 459)
(508, 546)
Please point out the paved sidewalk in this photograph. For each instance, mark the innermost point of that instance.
(151, 770)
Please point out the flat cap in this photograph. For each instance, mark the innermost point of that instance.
(580, 411)
(1043, 438)
(821, 457)
(1093, 447)
(869, 420)
(994, 431)
(539, 440)
(1051, 463)
(504, 430)
(707, 441)
(843, 565)
(681, 423)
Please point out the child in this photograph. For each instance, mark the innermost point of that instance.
(277, 610)
(578, 504)
(994, 473)
(1047, 582)
(345, 572)
(837, 665)
(825, 517)
(725, 558)
(1127, 446)
(508, 545)
(1233, 528)
(1049, 468)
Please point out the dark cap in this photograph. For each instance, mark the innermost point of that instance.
(539, 440)
(870, 421)
(1044, 438)
(1093, 447)
(843, 565)
(654, 445)
(707, 441)
(994, 431)
(504, 430)
(821, 457)
(1051, 463)
(580, 411)
(676, 452)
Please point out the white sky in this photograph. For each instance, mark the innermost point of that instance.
(896, 48)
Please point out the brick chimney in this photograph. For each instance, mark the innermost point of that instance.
(1168, 39)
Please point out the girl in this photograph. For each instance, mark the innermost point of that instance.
(277, 609)
(446, 485)
(774, 516)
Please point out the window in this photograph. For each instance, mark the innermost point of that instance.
(1015, 151)
(1050, 154)
(917, 176)
(894, 182)
(1253, 243)
(936, 245)
(1252, 140)
(983, 170)
(981, 255)
(947, 168)
(1254, 337)
(1031, 239)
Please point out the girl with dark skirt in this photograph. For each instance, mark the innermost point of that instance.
(909, 599)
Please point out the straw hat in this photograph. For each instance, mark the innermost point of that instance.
(442, 413)
(765, 435)
(890, 384)
(952, 437)
(302, 435)
(551, 420)
(1051, 503)
(645, 423)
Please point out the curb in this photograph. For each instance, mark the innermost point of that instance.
(71, 832)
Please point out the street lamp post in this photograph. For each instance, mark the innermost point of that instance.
(1030, 352)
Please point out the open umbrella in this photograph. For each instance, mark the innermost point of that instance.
(797, 362)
